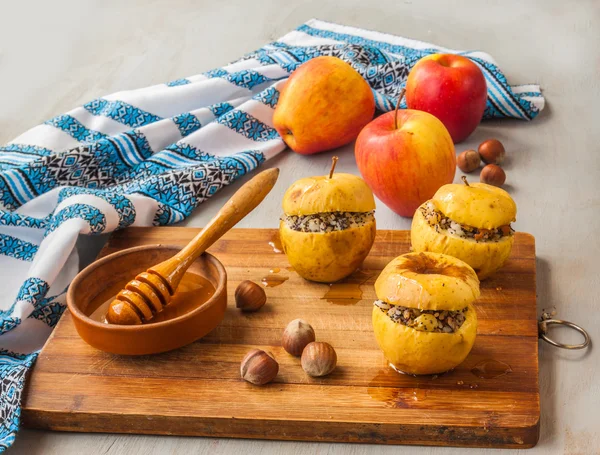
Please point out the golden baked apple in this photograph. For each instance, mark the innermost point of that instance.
(470, 222)
(328, 226)
(424, 319)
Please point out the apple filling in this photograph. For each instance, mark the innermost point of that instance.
(443, 224)
(424, 320)
(328, 222)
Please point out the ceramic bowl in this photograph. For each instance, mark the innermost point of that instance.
(121, 267)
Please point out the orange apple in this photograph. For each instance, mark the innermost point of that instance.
(405, 165)
(452, 88)
(323, 105)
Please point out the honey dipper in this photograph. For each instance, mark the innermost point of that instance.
(150, 291)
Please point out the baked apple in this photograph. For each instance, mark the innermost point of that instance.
(470, 222)
(424, 319)
(328, 226)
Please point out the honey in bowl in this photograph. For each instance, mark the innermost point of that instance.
(193, 291)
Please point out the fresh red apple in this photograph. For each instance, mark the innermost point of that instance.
(405, 165)
(452, 88)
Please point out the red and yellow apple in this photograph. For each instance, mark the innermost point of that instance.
(452, 88)
(405, 166)
(323, 105)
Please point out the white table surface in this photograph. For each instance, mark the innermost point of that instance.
(57, 55)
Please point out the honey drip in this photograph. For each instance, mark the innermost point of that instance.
(347, 291)
(343, 294)
(491, 369)
(275, 243)
(397, 391)
(273, 279)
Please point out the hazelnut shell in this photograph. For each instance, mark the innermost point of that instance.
(249, 296)
(296, 336)
(492, 151)
(492, 174)
(318, 359)
(468, 161)
(259, 367)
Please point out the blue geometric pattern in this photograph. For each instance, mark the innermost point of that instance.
(270, 97)
(92, 215)
(121, 112)
(26, 149)
(122, 205)
(499, 93)
(181, 149)
(287, 54)
(358, 40)
(385, 75)
(16, 219)
(531, 94)
(13, 368)
(276, 56)
(177, 82)
(96, 165)
(15, 155)
(247, 79)
(245, 124)
(220, 109)
(7, 197)
(6, 315)
(8, 162)
(217, 72)
(16, 188)
(243, 162)
(17, 248)
(244, 78)
(187, 123)
(32, 289)
(7, 324)
(179, 192)
(174, 156)
(48, 310)
(75, 129)
(141, 143)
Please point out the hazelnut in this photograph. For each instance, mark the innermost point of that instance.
(492, 175)
(318, 359)
(296, 336)
(249, 296)
(492, 151)
(259, 367)
(468, 161)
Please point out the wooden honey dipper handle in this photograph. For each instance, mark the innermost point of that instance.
(151, 290)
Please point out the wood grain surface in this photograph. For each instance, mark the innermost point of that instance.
(197, 390)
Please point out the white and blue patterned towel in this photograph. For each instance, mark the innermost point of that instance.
(151, 156)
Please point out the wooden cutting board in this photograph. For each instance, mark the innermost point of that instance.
(491, 400)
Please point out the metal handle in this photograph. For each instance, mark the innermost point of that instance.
(543, 334)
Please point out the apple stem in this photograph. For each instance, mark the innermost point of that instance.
(464, 179)
(334, 161)
(397, 106)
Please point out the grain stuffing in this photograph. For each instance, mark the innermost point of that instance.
(424, 320)
(328, 222)
(443, 224)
